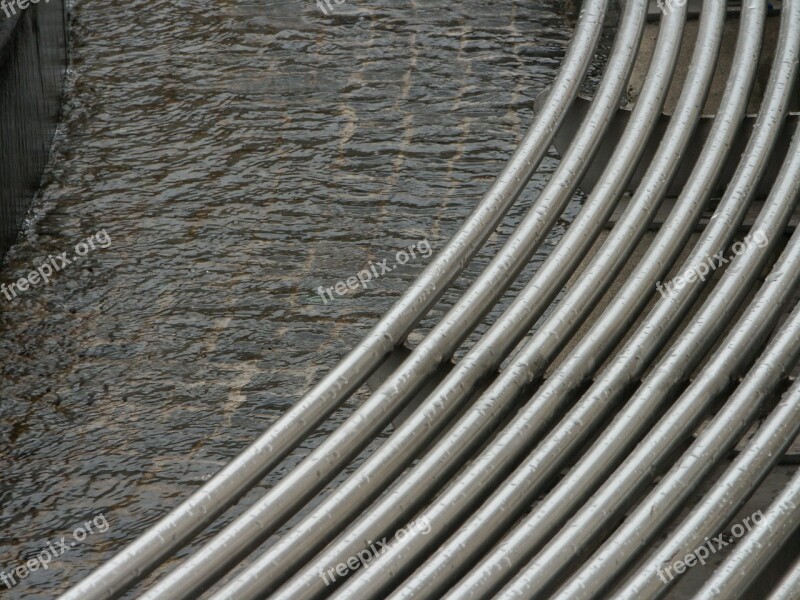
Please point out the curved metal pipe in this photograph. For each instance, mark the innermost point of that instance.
(480, 532)
(743, 476)
(487, 466)
(591, 520)
(509, 555)
(788, 587)
(309, 535)
(753, 552)
(711, 446)
(354, 537)
(498, 566)
(283, 500)
(347, 499)
(233, 481)
(391, 458)
(674, 41)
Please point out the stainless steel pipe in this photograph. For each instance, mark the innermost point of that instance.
(487, 465)
(347, 500)
(241, 536)
(290, 494)
(613, 443)
(477, 506)
(480, 532)
(592, 518)
(752, 553)
(643, 524)
(740, 479)
(180, 525)
(789, 587)
(594, 468)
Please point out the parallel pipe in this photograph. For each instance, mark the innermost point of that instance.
(653, 577)
(576, 306)
(289, 495)
(390, 459)
(633, 359)
(241, 474)
(457, 494)
(358, 490)
(751, 555)
(593, 518)
(480, 532)
(710, 448)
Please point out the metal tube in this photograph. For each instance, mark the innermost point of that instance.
(480, 532)
(478, 476)
(180, 525)
(714, 153)
(585, 357)
(622, 485)
(651, 580)
(753, 552)
(593, 519)
(287, 547)
(674, 41)
(241, 536)
(731, 422)
(788, 587)
(633, 359)
(345, 502)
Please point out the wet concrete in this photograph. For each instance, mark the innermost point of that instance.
(239, 154)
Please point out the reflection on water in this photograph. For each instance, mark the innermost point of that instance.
(240, 154)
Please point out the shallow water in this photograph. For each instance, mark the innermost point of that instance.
(239, 155)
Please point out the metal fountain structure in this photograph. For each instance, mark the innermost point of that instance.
(563, 455)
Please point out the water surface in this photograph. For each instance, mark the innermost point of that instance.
(239, 154)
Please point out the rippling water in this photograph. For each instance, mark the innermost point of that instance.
(239, 155)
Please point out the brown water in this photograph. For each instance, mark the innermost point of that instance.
(239, 154)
